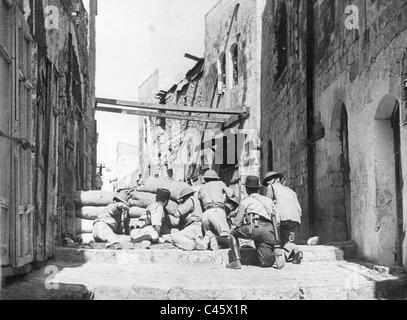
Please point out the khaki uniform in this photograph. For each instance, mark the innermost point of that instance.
(289, 210)
(213, 196)
(109, 225)
(155, 217)
(190, 213)
(262, 232)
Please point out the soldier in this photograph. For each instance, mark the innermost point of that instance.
(256, 221)
(114, 220)
(190, 213)
(153, 224)
(289, 210)
(213, 195)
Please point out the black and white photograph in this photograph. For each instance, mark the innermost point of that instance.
(214, 153)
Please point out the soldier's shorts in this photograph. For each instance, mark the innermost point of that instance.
(264, 239)
(288, 230)
(102, 232)
(215, 220)
(185, 239)
(146, 231)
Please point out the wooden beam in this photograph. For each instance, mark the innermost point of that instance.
(167, 107)
(190, 56)
(159, 115)
(235, 119)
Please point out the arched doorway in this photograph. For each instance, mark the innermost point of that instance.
(340, 174)
(388, 170)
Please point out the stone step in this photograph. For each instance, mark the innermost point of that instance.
(338, 280)
(174, 256)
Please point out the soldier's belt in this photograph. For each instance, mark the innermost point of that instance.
(215, 206)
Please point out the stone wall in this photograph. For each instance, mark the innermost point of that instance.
(234, 25)
(362, 70)
(65, 128)
(283, 97)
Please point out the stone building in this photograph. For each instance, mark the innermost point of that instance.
(325, 84)
(167, 141)
(48, 98)
(336, 115)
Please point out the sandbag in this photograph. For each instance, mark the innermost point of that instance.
(144, 199)
(152, 184)
(94, 198)
(91, 213)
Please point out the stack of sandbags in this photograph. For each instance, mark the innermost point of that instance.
(89, 205)
(152, 184)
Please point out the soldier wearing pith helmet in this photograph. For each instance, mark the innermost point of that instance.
(190, 214)
(290, 212)
(213, 196)
(114, 220)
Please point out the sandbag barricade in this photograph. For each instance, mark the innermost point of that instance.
(151, 185)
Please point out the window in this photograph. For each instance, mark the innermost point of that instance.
(222, 73)
(281, 42)
(234, 65)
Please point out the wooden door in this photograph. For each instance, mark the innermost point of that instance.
(6, 71)
(52, 218)
(22, 160)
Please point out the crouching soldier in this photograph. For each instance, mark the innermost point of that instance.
(256, 221)
(114, 220)
(213, 196)
(190, 214)
(289, 210)
(152, 225)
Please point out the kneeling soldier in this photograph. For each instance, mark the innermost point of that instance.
(190, 213)
(289, 210)
(214, 195)
(256, 221)
(114, 220)
(150, 227)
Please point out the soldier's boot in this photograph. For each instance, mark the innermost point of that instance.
(298, 257)
(235, 247)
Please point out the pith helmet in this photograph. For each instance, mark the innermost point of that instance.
(122, 197)
(211, 175)
(271, 176)
(186, 192)
(253, 182)
(163, 195)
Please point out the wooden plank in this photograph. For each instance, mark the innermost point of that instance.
(159, 115)
(192, 57)
(167, 107)
(234, 119)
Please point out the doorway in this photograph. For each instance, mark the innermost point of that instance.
(389, 183)
(339, 172)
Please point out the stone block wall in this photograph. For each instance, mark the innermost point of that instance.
(363, 71)
(283, 98)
